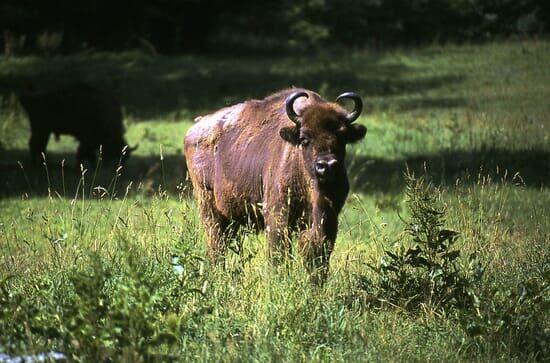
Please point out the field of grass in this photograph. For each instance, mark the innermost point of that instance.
(110, 265)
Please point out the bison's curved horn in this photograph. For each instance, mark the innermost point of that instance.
(289, 105)
(358, 105)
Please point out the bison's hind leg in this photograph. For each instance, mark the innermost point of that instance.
(37, 145)
(86, 152)
(219, 229)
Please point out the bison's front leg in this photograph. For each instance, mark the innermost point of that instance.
(37, 144)
(317, 243)
(278, 234)
(86, 152)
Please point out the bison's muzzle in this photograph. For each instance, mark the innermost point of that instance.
(327, 168)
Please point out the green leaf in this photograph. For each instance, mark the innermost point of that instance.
(446, 235)
(413, 252)
(165, 338)
(451, 255)
(436, 272)
(420, 262)
(392, 255)
(474, 329)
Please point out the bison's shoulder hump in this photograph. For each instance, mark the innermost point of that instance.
(210, 125)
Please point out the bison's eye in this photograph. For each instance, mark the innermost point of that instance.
(304, 141)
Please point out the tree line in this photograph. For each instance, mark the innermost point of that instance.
(170, 26)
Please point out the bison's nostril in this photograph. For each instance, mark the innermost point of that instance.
(323, 167)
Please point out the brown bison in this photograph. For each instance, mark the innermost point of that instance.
(276, 163)
(89, 114)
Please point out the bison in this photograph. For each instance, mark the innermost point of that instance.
(278, 164)
(91, 115)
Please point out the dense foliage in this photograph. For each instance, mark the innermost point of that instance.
(190, 25)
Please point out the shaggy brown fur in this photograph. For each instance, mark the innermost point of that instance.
(249, 164)
(89, 114)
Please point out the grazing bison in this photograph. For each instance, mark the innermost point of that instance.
(276, 163)
(92, 116)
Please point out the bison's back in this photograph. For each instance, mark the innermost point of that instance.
(201, 142)
(80, 110)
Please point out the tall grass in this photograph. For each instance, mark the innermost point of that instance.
(98, 279)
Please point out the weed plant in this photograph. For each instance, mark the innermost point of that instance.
(424, 272)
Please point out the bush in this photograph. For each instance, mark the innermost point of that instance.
(516, 316)
(425, 272)
(138, 313)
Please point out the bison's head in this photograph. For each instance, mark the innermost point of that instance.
(322, 131)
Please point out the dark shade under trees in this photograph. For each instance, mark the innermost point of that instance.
(170, 26)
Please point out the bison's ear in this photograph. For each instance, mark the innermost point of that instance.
(290, 134)
(355, 133)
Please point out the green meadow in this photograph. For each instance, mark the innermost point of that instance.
(443, 252)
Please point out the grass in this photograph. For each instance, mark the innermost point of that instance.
(111, 265)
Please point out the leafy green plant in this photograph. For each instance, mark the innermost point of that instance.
(514, 315)
(425, 272)
(105, 311)
(424, 269)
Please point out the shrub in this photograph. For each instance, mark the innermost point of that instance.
(513, 315)
(135, 311)
(424, 270)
